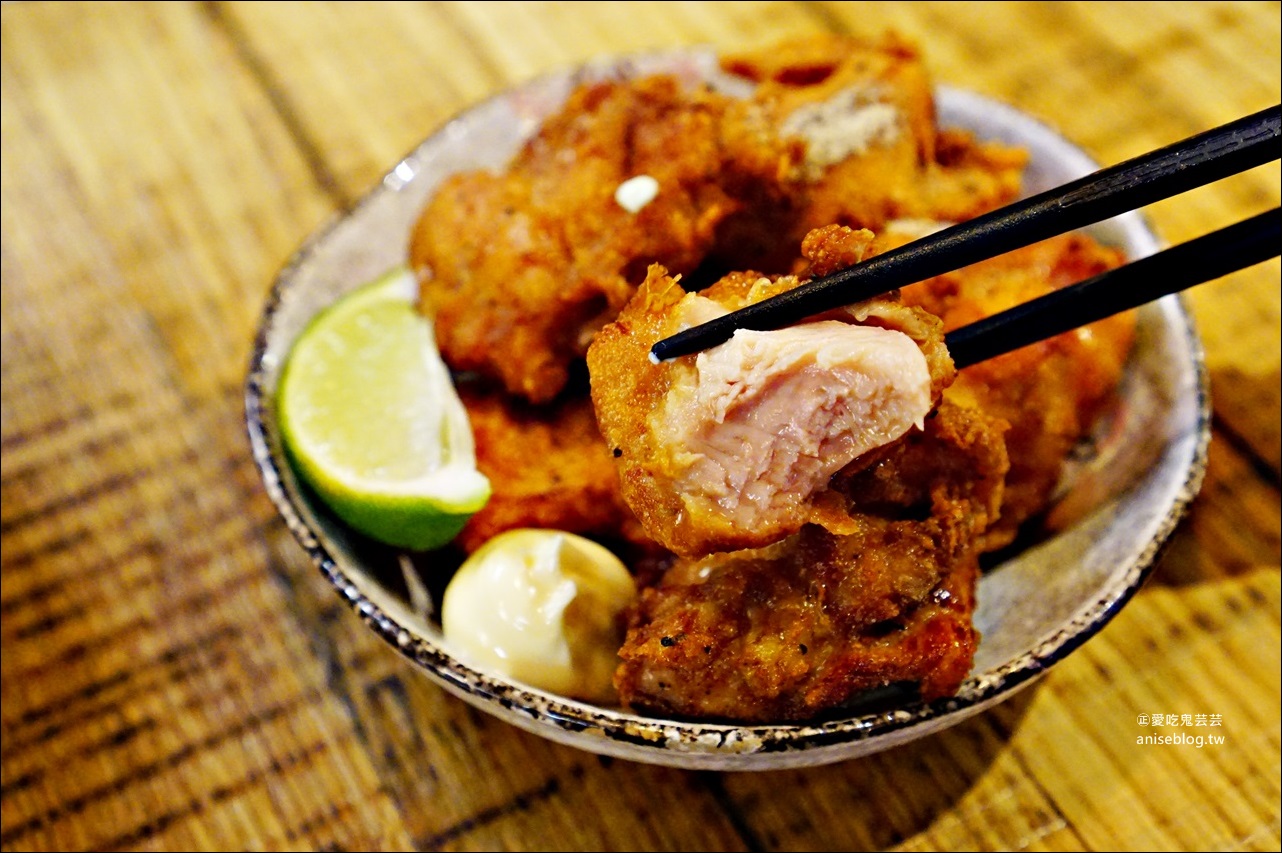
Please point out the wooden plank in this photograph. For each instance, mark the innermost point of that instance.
(156, 691)
(1116, 790)
(1233, 526)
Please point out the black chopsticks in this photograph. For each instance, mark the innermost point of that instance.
(1198, 160)
(1217, 254)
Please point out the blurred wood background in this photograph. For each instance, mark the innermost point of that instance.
(177, 675)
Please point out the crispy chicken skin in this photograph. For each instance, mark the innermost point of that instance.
(548, 467)
(808, 624)
(734, 447)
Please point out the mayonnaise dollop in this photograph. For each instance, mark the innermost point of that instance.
(635, 193)
(544, 607)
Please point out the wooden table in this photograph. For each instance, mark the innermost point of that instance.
(176, 674)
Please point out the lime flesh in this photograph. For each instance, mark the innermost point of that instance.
(371, 420)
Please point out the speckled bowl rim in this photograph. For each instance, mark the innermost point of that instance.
(699, 745)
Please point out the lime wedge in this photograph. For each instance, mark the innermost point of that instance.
(371, 420)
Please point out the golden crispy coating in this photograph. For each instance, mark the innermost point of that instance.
(1050, 392)
(734, 448)
(548, 467)
(807, 625)
(521, 269)
(865, 111)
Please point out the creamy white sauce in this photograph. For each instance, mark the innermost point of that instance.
(635, 193)
(543, 607)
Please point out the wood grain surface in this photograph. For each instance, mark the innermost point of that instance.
(177, 675)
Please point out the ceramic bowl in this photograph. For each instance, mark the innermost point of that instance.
(1125, 495)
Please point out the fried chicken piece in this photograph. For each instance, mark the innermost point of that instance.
(865, 112)
(1050, 392)
(734, 447)
(846, 99)
(548, 467)
(521, 269)
(809, 624)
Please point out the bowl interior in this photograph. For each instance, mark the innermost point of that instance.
(1121, 500)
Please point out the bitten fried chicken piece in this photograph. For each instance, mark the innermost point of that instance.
(734, 447)
(521, 269)
(865, 112)
(809, 624)
(1050, 392)
(548, 467)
